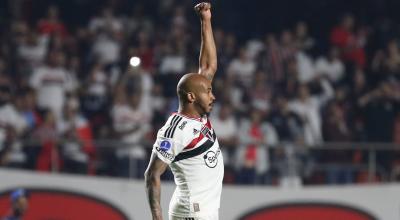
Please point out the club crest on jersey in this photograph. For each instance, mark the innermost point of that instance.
(195, 131)
(211, 158)
(207, 133)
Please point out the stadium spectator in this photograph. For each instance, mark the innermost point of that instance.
(106, 31)
(131, 120)
(46, 140)
(224, 121)
(52, 24)
(139, 21)
(77, 149)
(145, 51)
(308, 107)
(272, 60)
(12, 126)
(242, 68)
(288, 124)
(350, 41)
(260, 93)
(252, 156)
(52, 82)
(33, 49)
(331, 66)
(304, 42)
(386, 63)
(336, 129)
(228, 44)
(380, 109)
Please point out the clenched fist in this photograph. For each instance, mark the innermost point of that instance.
(203, 10)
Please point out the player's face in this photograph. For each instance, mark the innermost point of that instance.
(205, 98)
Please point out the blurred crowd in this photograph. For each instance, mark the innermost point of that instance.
(72, 98)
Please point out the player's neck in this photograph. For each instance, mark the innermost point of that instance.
(189, 111)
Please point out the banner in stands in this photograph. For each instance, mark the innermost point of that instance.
(83, 197)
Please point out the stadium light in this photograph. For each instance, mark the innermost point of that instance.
(134, 61)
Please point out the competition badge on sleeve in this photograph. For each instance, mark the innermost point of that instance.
(164, 149)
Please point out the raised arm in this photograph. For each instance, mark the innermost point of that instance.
(152, 178)
(208, 53)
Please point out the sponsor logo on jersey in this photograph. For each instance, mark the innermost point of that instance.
(165, 154)
(211, 158)
(182, 126)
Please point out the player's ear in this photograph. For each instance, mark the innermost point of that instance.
(190, 97)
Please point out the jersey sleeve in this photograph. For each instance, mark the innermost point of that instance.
(170, 142)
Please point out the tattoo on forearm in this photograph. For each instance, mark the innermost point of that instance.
(153, 196)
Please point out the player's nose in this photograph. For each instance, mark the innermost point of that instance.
(212, 97)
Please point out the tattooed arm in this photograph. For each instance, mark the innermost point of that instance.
(152, 176)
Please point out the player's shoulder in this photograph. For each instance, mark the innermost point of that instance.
(178, 126)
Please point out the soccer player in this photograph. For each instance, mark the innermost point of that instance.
(188, 143)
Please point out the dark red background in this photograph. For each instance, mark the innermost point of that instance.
(308, 211)
(60, 205)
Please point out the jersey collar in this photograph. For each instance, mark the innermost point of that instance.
(188, 117)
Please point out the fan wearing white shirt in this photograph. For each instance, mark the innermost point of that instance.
(51, 83)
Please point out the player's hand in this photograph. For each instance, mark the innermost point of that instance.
(203, 10)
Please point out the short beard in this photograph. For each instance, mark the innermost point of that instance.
(207, 114)
(203, 110)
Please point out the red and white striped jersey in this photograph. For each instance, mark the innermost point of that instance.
(190, 147)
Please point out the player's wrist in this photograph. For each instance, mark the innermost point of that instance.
(205, 24)
(205, 19)
(157, 216)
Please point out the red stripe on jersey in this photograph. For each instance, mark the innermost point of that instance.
(194, 142)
